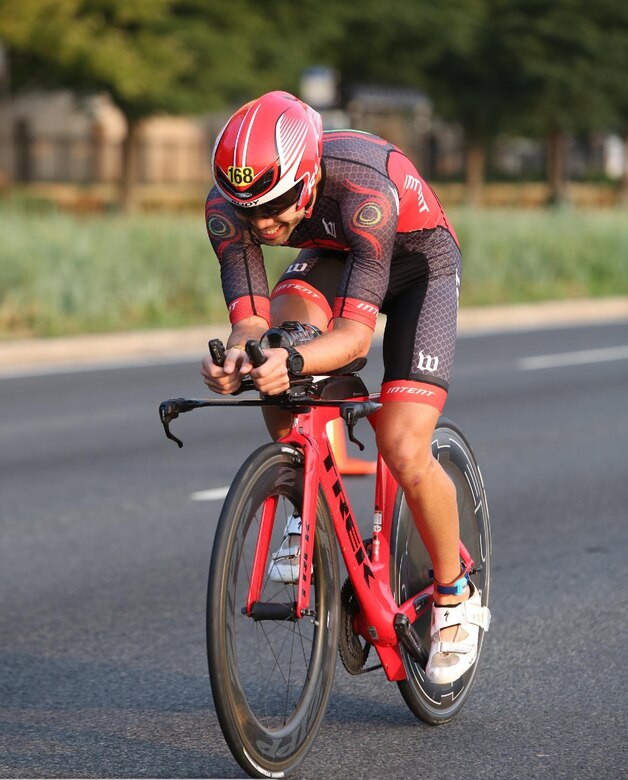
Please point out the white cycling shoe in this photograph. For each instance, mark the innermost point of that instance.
(284, 564)
(450, 660)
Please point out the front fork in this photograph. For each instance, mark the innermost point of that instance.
(303, 441)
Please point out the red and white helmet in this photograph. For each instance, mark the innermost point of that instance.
(268, 147)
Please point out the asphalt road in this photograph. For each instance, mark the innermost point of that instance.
(104, 549)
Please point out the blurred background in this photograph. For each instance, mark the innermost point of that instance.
(516, 111)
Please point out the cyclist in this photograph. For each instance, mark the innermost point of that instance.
(373, 237)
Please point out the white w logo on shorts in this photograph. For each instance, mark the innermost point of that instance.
(296, 268)
(427, 362)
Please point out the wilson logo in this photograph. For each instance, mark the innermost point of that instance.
(330, 228)
(296, 268)
(427, 363)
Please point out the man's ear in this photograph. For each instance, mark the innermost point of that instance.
(309, 207)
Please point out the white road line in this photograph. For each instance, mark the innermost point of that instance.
(573, 358)
(215, 494)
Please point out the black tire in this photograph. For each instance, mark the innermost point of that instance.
(410, 564)
(270, 679)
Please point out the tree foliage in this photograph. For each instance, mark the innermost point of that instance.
(111, 45)
(532, 67)
(164, 55)
(491, 66)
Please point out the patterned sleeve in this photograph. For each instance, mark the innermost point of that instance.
(242, 271)
(370, 213)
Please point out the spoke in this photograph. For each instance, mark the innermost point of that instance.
(276, 666)
(283, 648)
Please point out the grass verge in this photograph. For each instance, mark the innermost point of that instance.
(63, 274)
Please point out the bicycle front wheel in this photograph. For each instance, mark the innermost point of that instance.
(270, 679)
(410, 565)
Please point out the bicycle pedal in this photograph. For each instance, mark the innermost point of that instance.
(409, 638)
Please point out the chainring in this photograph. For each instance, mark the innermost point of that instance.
(353, 649)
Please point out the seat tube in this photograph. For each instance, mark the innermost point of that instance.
(385, 497)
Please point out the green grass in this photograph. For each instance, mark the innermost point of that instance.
(528, 256)
(62, 274)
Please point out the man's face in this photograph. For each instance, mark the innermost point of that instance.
(272, 223)
(272, 228)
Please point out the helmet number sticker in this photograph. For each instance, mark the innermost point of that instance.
(239, 175)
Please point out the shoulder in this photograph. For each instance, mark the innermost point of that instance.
(353, 142)
(355, 161)
(356, 148)
(216, 203)
(357, 175)
(221, 222)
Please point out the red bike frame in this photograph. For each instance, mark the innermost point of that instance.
(369, 573)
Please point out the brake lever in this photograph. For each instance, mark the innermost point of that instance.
(169, 411)
(352, 413)
(350, 419)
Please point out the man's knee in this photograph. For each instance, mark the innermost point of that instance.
(411, 468)
(404, 439)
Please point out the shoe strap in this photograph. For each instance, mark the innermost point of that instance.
(443, 617)
(452, 647)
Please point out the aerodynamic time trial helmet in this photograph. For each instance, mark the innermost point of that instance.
(269, 146)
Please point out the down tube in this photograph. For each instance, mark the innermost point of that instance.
(373, 593)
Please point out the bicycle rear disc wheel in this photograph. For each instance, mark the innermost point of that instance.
(410, 565)
(270, 679)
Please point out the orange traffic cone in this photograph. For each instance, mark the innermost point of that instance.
(346, 464)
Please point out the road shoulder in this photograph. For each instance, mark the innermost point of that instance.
(189, 342)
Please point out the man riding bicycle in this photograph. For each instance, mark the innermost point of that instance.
(373, 237)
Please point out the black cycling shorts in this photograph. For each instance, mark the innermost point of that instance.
(421, 311)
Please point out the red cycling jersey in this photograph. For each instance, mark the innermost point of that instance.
(372, 204)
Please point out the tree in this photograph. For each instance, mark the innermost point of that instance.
(475, 78)
(540, 67)
(154, 55)
(616, 59)
(460, 53)
(92, 46)
(564, 48)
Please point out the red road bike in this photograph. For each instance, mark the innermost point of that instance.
(272, 646)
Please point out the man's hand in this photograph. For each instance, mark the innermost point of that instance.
(271, 378)
(227, 378)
